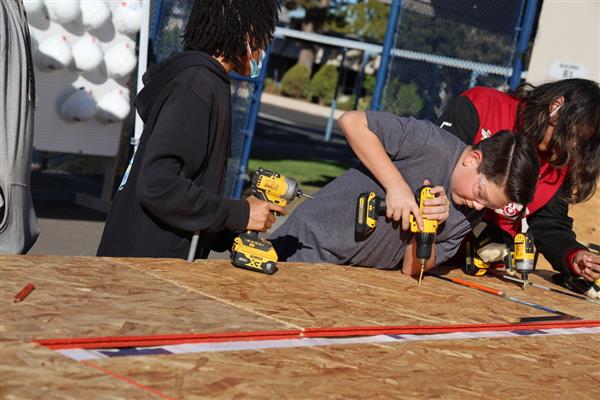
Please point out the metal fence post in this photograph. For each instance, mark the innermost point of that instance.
(385, 54)
(334, 101)
(528, 21)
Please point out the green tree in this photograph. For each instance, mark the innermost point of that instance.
(295, 81)
(402, 99)
(369, 84)
(367, 20)
(322, 85)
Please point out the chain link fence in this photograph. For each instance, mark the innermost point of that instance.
(442, 48)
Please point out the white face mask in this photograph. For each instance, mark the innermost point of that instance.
(255, 66)
(556, 110)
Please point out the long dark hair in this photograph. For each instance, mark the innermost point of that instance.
(576, 138)
(222, 28)
(511, 161)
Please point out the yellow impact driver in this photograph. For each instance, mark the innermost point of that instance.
(425, 239)
(524, 256)
(249, 251)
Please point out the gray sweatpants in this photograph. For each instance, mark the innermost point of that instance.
(18, 224)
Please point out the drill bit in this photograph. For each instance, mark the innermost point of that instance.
(300, 193)
(422, 269)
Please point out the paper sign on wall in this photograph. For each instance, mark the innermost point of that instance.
(567, 70)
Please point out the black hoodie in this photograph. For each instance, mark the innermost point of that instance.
(176, 179)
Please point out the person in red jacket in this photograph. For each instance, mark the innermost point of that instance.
(563, 119)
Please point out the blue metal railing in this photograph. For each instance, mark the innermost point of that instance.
(526, 28)
(388, 42)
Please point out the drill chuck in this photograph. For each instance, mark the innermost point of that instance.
(292, 190)
(424, 242)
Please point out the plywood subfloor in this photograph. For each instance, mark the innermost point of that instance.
(528, 368)
(28, 371)
(86, 296)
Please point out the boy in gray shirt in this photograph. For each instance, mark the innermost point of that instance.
(398, 155)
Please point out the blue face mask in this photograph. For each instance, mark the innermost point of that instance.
(255, 66)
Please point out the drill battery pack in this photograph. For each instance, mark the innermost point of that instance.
(254, 253)
(369, 207)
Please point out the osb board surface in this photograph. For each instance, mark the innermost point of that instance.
(318, 295)
(30, 372)
(558, 367)
(87, 296)
(79, 296)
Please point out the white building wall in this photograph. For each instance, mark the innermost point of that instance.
(567, 44)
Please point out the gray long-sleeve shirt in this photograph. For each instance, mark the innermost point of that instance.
(322, 229)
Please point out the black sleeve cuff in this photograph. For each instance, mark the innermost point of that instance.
(238, 214)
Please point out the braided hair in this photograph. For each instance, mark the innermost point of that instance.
(222, 28)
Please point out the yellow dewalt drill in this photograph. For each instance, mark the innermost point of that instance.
(425, 239)
(369, 207)
(249, 251)
(523, 253)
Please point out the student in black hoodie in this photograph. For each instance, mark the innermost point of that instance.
(175, 181)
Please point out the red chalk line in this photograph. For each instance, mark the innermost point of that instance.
(352, 331)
